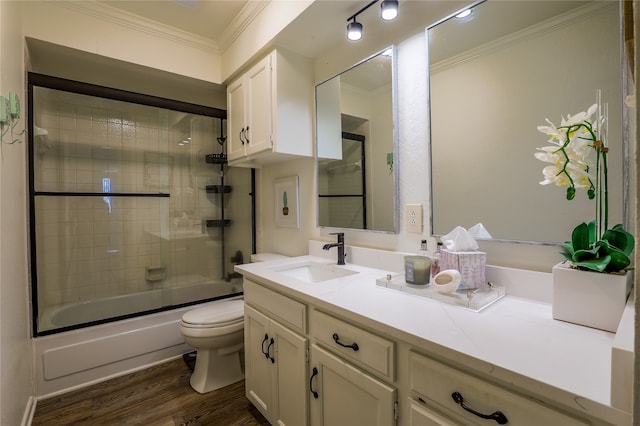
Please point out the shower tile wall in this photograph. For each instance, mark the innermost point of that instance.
(92, 247)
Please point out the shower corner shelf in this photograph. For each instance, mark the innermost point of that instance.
(216, 158)
(218, 223)
(218, 189)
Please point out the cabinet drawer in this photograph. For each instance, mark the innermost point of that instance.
(287, 311)
(420, 415)
(373, 352)
(435, 383)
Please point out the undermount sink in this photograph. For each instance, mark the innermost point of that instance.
(312, 272)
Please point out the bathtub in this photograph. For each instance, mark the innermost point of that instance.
(73, 359)
(111, 307)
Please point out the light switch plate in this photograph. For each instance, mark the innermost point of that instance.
(413, 214)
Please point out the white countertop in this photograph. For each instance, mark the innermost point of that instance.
(514, 340)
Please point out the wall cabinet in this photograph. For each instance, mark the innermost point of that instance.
(270, 109)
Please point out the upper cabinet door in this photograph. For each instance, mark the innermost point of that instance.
(260, 107)
(236, 104)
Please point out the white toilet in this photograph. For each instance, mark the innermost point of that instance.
(217, 332)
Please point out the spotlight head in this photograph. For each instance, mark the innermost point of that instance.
(354, 30)
(389, 9)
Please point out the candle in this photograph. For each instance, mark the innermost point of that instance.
(417, 269)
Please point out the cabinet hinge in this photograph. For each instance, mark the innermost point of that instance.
(395, 410)
(306, 355)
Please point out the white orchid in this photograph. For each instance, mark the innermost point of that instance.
(569, 155)
(573, 142)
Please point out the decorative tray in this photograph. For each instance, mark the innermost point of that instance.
(474, 300)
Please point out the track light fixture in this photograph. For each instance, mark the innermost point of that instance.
(354, 30)
(388, 11)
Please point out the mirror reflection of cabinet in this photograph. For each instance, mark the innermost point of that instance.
(357, 180)
(269, 111)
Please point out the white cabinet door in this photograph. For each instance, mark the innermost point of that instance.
(291, 377)
(260, 107)
(236, 129)
(275, 370)
(258, 373)
(342, 395)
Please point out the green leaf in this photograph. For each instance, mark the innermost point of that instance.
(571, 193)
(598, 265)
(619, 260)
(626, 244)
(580, 237)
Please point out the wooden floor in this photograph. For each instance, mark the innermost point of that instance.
(159, 395)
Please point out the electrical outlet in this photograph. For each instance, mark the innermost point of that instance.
(413, 214)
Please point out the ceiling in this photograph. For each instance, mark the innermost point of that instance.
(320, 27)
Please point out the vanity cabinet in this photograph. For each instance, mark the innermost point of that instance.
(275, 356)
(310, 361)
(270, 111)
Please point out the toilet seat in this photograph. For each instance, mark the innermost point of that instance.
(224, 317)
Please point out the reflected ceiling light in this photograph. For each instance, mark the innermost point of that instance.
(388, 11)
(464, 14)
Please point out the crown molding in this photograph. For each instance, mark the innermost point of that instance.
(534, 31)
(241, 22)
(138, 23)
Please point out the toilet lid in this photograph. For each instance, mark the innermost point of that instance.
(217, 313)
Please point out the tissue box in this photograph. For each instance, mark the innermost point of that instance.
(471, 265)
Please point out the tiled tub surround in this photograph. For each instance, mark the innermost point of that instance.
(96, 247)
(515, 341)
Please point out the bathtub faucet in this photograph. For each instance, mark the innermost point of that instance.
(340, 245)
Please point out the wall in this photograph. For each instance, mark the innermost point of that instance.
(96, 28)
(16, 368)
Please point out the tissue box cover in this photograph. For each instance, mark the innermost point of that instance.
(471, 265)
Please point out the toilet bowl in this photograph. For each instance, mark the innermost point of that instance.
(216, 330)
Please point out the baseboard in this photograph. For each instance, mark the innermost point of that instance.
(29, 411)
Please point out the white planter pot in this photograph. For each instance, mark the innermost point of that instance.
(588, 298)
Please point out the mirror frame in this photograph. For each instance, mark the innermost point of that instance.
(396, 143)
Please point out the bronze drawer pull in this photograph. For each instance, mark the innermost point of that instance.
(353, 346)
(500, 418)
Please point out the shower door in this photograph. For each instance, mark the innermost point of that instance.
(122, 219)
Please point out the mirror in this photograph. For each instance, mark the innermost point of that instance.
(356, 146)
(493, 78)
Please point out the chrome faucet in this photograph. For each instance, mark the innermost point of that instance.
(339, 244)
